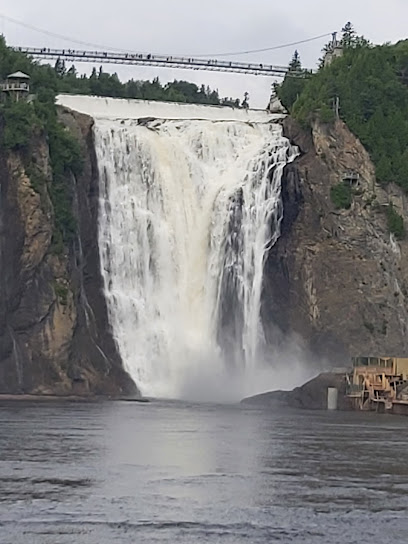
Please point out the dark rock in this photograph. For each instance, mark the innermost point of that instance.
(93, 346)
(49, 344)
(312, 395)
(144, 121)
(301, 137)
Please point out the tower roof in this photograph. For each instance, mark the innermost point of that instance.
(18, 75)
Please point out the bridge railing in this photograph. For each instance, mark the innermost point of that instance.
(14, 87)
(157, 60)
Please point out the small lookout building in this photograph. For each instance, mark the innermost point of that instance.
(17, 86)
(334, 51)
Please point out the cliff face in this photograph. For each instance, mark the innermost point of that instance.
(54, 332)
(337, 277)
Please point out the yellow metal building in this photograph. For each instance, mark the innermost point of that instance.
(377, 381)
(395, 366)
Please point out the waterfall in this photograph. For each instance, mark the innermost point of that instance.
(188, 211)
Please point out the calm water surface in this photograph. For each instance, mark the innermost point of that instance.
(180, 473)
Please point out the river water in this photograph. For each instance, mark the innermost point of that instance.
(175, 472)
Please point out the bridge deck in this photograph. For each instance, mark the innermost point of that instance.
(190, 63)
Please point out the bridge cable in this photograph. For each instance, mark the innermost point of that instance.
(68, 39)
(267, 48)
(60, 36)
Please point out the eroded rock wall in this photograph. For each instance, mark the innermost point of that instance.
(54, 333)
(337, 277)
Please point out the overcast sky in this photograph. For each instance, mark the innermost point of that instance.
(189, 27)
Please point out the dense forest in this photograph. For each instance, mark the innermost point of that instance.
(100, 83)
(370, 85)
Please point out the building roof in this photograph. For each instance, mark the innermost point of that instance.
(18, 75)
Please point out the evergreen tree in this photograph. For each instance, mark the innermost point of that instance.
(60, 68)
(72, 72)
(350, 38)
(348, 35)
(295, 64)
(292, 86)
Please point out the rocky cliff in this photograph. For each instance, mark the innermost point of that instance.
(54, 332)
(337, 277)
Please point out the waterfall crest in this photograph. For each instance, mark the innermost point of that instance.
(188, 212)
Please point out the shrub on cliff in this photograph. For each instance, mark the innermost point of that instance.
(19, 122)
(341, 195)
(395, 222)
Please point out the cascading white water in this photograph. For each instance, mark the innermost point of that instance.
(188, 211)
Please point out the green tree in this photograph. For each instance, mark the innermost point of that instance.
(59, 68)
(341, 195)
(395, 222)
(19, 122)
(349, 35)
(295, 64)
(293, 84)
(350, 38)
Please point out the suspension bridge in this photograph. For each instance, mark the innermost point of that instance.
(162, 61)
